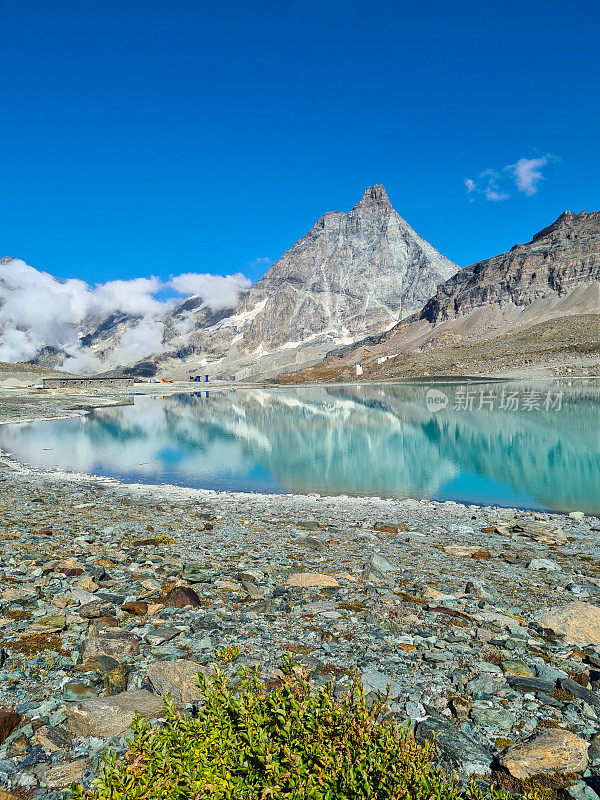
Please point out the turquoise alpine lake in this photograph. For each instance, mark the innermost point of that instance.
(527, 445)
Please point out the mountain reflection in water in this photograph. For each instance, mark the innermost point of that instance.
(365, 440)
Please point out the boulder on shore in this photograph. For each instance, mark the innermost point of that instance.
(553, 751)
(578, 622)
(178, 679)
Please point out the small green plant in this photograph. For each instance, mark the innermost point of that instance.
(293, 743)
(227, 655)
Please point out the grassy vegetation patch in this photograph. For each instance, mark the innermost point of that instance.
(357, 607)
(563, 694)
(293, 743)
(17, 614)
(37, 643)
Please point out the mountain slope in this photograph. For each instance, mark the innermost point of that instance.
(555, 276)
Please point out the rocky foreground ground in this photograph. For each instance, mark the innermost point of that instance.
(483, 624)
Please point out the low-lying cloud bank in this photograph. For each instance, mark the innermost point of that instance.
(37, 311)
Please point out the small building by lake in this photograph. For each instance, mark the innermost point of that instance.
(85, 382)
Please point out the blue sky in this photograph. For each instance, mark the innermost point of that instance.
(142, 137)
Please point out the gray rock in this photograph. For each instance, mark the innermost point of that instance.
(195, 574)
(204, 622)
(415, 711)
(377, 567)
(495, 717)
(549, 673)
(543, 565)
(461, 528)
(111, 716)
(179, 679)
(594, 749)
(97, 608)
(547, 686)
(7, 766)
(81, 690)
(484, 685)
(478, 588)
(161, 635)
(581, 791)
(375, 681)
(252, 590)
(569, 685)
(455, 747)
(110, 642)
(312, 541)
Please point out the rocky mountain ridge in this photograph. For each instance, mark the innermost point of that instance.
(559, 258)
(553, 277)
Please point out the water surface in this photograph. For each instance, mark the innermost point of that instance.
(513, 444)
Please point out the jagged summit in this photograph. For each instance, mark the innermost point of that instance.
(374, 203)
(374, 196)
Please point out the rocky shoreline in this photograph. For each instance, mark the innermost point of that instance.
(112, 595)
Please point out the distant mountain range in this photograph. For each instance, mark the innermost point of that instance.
(360, 287)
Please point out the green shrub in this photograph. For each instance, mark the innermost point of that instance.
(292, 743)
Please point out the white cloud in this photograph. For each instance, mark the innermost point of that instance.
(82, 362)
(487, 184)
(492, 192)
(217, 291)
(37, 310)
(140, 341)
(135, 296)
(494, 185)
(16, 346)
(528, 173)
